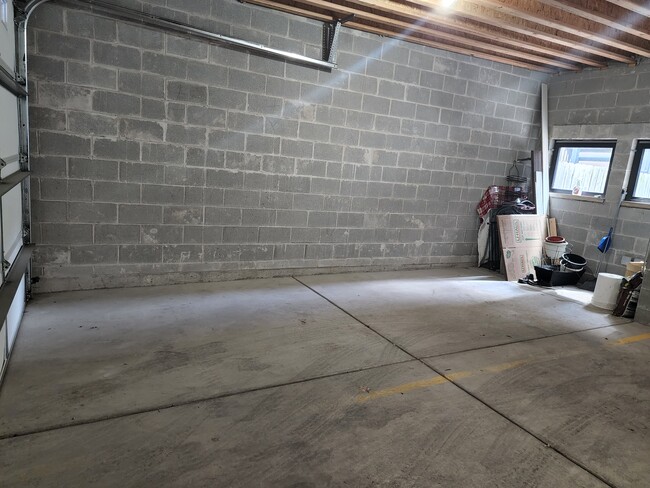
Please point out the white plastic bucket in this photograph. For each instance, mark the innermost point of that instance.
(555, 250)
(606, 292)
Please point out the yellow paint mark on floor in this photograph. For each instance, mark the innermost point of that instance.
(505, 366)
(437, 380)
(631, 339)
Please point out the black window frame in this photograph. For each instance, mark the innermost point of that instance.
(559, 144)
(641, 146)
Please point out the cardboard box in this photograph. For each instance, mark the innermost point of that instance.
(521, 261)
(522, 240)
(521, 230)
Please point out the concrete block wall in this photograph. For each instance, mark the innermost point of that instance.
(613, 104)
(160, 160)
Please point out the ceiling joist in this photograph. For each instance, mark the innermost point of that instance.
(544, 35)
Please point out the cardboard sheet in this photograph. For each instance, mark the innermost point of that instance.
(521, 261)
(522, 239)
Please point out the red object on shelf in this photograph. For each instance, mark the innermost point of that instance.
(495, 196)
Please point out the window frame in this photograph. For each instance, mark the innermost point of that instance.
(635, 170)
(580, 143)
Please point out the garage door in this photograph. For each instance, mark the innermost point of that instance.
(14, 190)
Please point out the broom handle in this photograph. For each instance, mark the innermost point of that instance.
(618, 210)
(613, 228)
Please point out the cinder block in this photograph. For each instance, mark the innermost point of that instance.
(163, 194)
(85, 212)
(45, 68)
(56, 143)
(47, 118)
(242, 161)
(181, 134)
(227, 99)
(139, 214)
(140, 254)
(186, 176)
(240, 235)
(115, 55)
(186, 48)
(187, 92)
(162, 153)
(141, 173)
(108, 191)
(145, 130)
(117, 234)
(226, 140)
(115, 103)
(262, 144)
(245, 122)
(133, 35)
(78, 191)
(242, 198)
(153, 109)
(65, 96)
(62, 46)
(93, 254)
(145, 84)
(161, 234)
(195, 156)
(276, 200)
(224, 178)
(86, 25)
(291, 218)
(209, 117)
(66, 233)
(182, 215)
(182, 253)
(87, 75)
(164, 65)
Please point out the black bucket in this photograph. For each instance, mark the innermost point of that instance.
(573, 262)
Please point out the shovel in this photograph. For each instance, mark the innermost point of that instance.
(606, 242)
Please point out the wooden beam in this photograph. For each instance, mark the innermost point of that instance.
(524, 11)
(639, 6)
(291, 9)
(417, 13)
(456, 49)
(436, 34)
(624, 21)
(477, 13)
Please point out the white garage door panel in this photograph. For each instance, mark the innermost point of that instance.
(12, 228)
(7, 40)
(15, 315)
(3, 347)
(8, 131)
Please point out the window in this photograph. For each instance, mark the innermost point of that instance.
(581, 167)
(638, 188)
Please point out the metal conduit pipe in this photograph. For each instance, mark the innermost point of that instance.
(149, 20)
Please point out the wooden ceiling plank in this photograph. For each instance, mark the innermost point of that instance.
(408, 26)
(456, 49)
(523, 11)
(477, 13)
(600, 17)
(417, 13)
(399, 35)
(640, 7)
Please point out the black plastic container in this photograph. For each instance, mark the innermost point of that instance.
(552, 276)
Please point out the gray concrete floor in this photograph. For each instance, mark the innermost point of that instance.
(439, 378)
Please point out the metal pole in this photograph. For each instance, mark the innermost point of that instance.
(179, 28)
